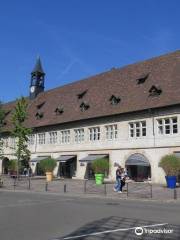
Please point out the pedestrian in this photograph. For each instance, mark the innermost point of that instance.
(117, 187)
(123, 178)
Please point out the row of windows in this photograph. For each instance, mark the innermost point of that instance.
(137, 129)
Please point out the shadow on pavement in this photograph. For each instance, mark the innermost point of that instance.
(90, 231)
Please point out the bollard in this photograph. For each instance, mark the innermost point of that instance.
(127, 190)
(65, 188)
(85, 186)
(175, 194)
(105, 189)
(29, 183)
(46, 186)
(151, 190)
(14, 183)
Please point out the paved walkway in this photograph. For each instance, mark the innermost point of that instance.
(137, 190)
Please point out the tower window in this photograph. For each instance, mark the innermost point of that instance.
(59, 110)
(82, 94)
(155, 91)
(114, 100)
(39, 115)
(142, 79)
(84, 107)
(39, 106)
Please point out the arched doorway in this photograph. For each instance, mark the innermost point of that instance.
(5, 165)
(138, 167)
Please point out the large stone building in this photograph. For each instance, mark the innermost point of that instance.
(130, 115)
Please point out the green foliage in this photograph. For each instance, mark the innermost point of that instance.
(20, 132)
(100, 165)
(170, 164)
(48, 164)
(12, 165)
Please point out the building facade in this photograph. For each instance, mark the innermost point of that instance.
(129, 115)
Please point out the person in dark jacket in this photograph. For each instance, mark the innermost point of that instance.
(117, 187)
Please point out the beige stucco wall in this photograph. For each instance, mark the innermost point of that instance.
(152, 146)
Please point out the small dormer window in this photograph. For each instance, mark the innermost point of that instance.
(7, 113)
(39, 106)
(59, 110)
(82, 94)
(142, 79)
(155, 91)
(114, 100)
(84, 106)
(39, 115)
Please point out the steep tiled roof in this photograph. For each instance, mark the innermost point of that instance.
(130, 84)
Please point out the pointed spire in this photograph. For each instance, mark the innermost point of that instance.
(38, 67)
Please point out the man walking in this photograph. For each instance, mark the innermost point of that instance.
(117, 187)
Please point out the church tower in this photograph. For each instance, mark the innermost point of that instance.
(37, 80)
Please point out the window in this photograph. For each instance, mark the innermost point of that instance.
(137, 129)
(6, 142)
(167, 126)
(114, 100)
(155, 91)
(52, 137)
(84, 107)
(65, 136)
(79, 135)
(41, 138)
(31, 139)
(82, 94)
(59, 110)
(111, 132)
(94, 134)
(142, 79)
(39, 106)
(39, 115)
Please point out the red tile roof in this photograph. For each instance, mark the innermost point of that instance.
(163, 71)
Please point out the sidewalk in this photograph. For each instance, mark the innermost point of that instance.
(132, 190)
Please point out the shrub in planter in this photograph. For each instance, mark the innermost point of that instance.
(100, 167)
(12, 167)
(48, 165)
(171, 166)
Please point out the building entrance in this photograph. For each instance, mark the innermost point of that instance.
(138, 167)
(68, 167)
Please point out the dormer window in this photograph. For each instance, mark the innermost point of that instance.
(59, 110)
(82, 94)
(84, 107)
(39, 106)
(155, 91)
(39, 115)
(142, 79)
(114, 100)
(7, 113)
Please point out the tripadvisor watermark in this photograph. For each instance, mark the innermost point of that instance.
(142, 230)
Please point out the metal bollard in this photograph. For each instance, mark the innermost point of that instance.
(175, 194)
(85, 186)
(29, 183)
(14, 184)
(65, 188)
(127, 190)
(151, 190)
(105, 189)
(46, 186)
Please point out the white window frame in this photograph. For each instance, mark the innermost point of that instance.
(53, 137)
(137, 129)
(79, 135)
(65, 136)
(31, 139)
(111, 132)
(41, 138)
(166, 126)
(94, 134)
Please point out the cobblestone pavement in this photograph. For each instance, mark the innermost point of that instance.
(138, 190)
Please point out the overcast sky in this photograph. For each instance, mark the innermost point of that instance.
(79, 38)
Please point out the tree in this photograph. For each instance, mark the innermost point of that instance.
(20, 132)
(2, 116)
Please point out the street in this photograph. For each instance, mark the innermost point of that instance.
(43, 216)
